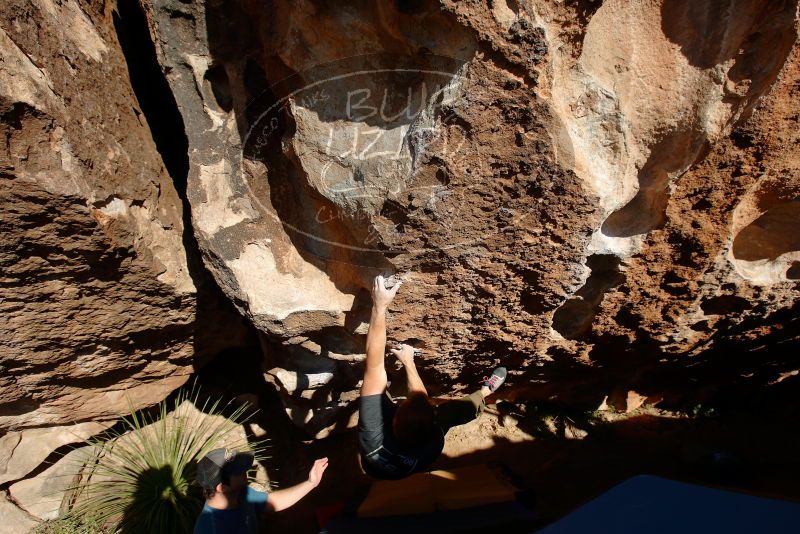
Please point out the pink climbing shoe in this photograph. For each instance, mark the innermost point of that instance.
(496, 380)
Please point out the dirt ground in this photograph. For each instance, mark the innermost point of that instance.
(755, 453)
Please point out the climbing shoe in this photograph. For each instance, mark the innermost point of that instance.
(496, 380)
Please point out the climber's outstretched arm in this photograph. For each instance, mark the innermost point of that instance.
(374, 370)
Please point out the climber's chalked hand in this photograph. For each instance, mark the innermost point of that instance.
(391, 280)
(405, 353)
(382, 297)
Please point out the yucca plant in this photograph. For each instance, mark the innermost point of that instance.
(141, 478)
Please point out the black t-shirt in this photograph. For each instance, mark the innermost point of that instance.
(381, 455)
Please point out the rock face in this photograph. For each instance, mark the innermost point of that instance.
(15, 520)
(97, 301)
(564, 180)
(23, 451)
(593, 193)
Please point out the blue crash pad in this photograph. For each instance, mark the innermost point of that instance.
(654, 505)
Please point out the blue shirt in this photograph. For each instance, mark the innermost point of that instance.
(240, 520)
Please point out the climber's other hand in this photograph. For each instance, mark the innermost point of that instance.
(382, 297)
(405, 353)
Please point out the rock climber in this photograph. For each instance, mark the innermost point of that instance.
(396, 440)
(233, 507)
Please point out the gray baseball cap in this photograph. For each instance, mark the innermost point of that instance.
(212, 466)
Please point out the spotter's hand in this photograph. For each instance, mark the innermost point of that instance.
(315, 474)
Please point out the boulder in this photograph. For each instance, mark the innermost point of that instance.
(42, 496)
(564, 182)
(14, 520)
(98, 304)
(23, 451)
(593, 194)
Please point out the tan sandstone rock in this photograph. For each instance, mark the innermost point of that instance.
(14, 520)
(96, 300)
(22, 451)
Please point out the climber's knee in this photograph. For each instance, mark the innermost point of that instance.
(477, 400)
(460, 411)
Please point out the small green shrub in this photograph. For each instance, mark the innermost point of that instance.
(69, 525)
